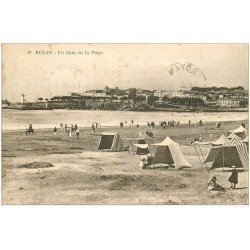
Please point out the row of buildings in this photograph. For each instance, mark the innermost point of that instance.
(115, 98)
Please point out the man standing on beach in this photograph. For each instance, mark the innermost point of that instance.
(93, 128)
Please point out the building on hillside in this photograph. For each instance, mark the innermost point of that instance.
(230, 103)
(5, 104)
(96, 93)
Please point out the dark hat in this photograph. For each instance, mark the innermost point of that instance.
(214, 178)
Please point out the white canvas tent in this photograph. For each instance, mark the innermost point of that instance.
(234, 152)
(111, 142)
(240, 132)
(168, 152)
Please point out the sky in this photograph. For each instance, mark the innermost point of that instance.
(66, 68)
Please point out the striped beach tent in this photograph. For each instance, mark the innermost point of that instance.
(240, 132)
(233, 135)
(245, 140)
(233, 152)
(222, 140)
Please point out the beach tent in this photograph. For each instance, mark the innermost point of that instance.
(141, 148)
(168, 152)
(232, 136)
(245, 140)
(240, 132)
(144, 138)
(234, 152)
(142, 144)
(111, 142)
(222, 140)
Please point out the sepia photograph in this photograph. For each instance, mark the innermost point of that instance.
(125, 124)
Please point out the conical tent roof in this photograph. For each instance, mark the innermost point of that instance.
(232, 135)
(239, 129)
(222, 140)
(246, 140)
(168, 141)
(144, 136)
(240, 132)
(168, 152)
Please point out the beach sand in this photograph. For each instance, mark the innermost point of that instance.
(83, 175)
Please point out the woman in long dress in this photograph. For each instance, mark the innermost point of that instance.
(233, 179)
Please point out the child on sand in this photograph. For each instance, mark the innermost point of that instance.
(213, 186)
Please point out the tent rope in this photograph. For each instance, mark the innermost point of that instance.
(203, 158)
(198, 156)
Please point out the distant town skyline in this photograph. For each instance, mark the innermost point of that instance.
(46, 70)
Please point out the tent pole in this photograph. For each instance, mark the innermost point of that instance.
(132, 147)
(223, 158)
(203, 158)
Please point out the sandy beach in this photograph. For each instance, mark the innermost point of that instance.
(83, 175)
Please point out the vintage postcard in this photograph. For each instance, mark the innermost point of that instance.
(125, 124)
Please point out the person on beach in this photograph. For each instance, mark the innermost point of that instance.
(143, 163)
(233, 179)
(70, 131)
(93, 128)
(77, 133)
(137, 125)
(66, 128)
(132, 122)
(150, 133)
(189, 123)
(61, 126)
(211, 137)
(213, 186)
(76, 127)
(54, 130)
(149, 159)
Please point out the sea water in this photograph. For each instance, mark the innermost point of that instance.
(17, 119)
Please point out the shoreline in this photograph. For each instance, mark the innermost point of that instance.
(125, 126)
(195, 110)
